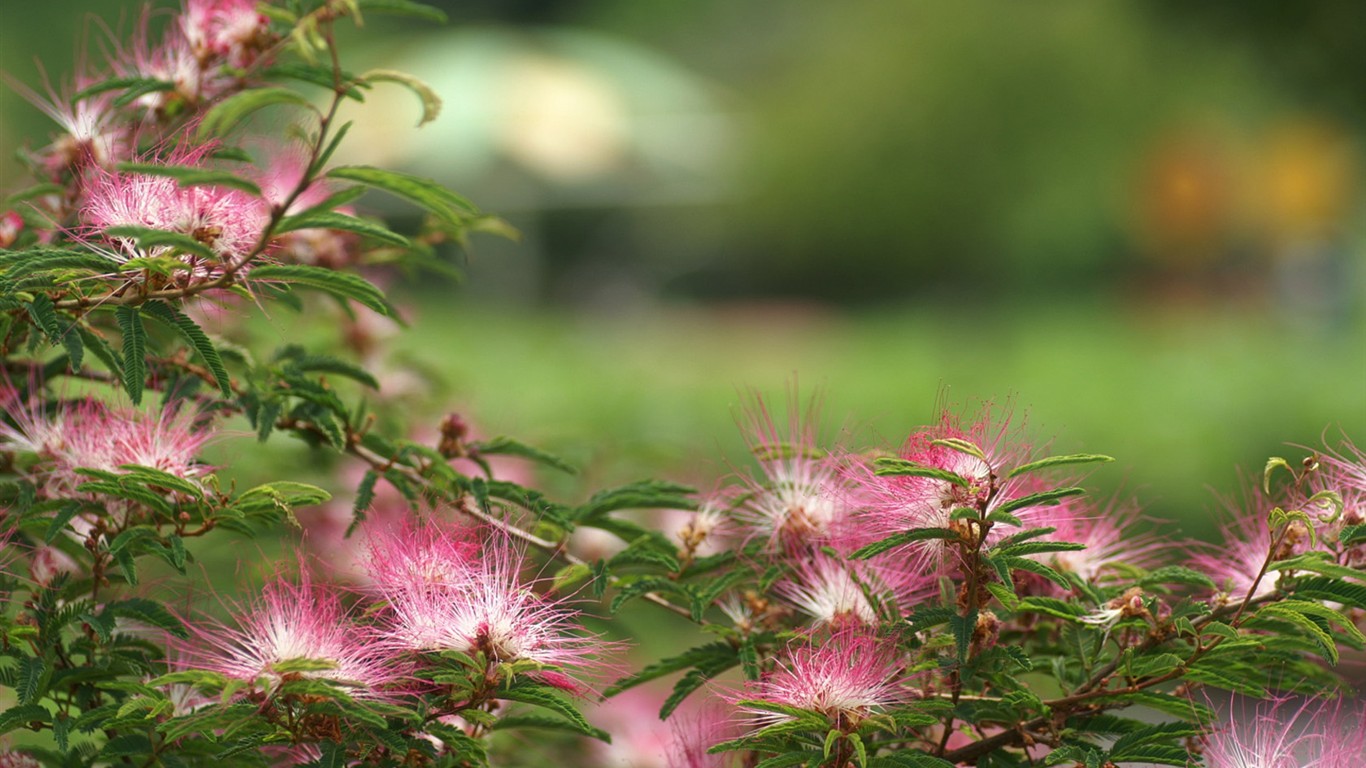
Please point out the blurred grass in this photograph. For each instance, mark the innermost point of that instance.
(1181, 396)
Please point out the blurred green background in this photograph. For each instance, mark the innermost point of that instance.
(1140, 223)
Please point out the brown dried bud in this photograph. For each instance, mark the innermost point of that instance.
(454, 430)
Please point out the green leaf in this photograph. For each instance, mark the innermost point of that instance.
(20, 716)
(1039, 548)
(127, 745)
(19, 264)
(343, 222)
(430, 195)
(1033, 566)
(148, 612)
(540, 695)
(189, 176)
(134, 351)
(1041, 499)
(960, 445)
(901, 467)
(1058, 461)
(1272, 464)
(316, 74)
(1052, 607)
(431, 103)
(228, 113)
(547, 722)
(96, 343)
(1313, 618)
(340, 284)
(136, 86)
(1322, 588)
(506, 446)
(404, 8)
(1352, 534)
(708, 655)
(32, 679)
(1176, 574)
(198, 340)
(148, 239)
(900, 539)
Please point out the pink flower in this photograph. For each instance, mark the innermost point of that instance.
(847, 677)
(1344, 472)
(694, 733)
(11, 224)
(227, 221)
(1317, 734)
(1109, 536)
(412, 558)
(443, 597)
(293, 622)
(892, 504)
(800, 500)
(92, 133)
(229, 29)
(833, 591)
(170, 61)
(317, 246)
(88, 434)
(1234, 565)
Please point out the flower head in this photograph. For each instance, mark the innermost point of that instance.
(1317, 734)
(833, 590)
(1108, 534)
(445, 598)
(293, 622)
(892, 504)
(89, 434)
(800, 499)
(232, 30)
(847, 677)
(226, 221)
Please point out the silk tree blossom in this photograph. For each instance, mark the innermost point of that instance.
(892, 504)
(318, 246)
(1317, 734)
(846, 678)
(227, 221)
(410, 557)
(89, 434)
(694, 733)
(1344, 472)
(232, 30)
(1247, 543)
(481, 605)
(832, 590)
(92, 130)
(1109, 535)
(291, 622)
(800, 500)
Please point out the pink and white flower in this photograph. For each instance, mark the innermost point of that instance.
(293, 621)
(846, 677)
(227, 221)
(442, 599)
(892, 504)
(800, 500)
(232, 30)
(88, 434)
(1109, 534)
(1317, 734)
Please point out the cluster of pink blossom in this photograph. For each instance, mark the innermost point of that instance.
(205, 54)
(810, 508)
(89, 434)
(431, 588)
(1314, 734)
